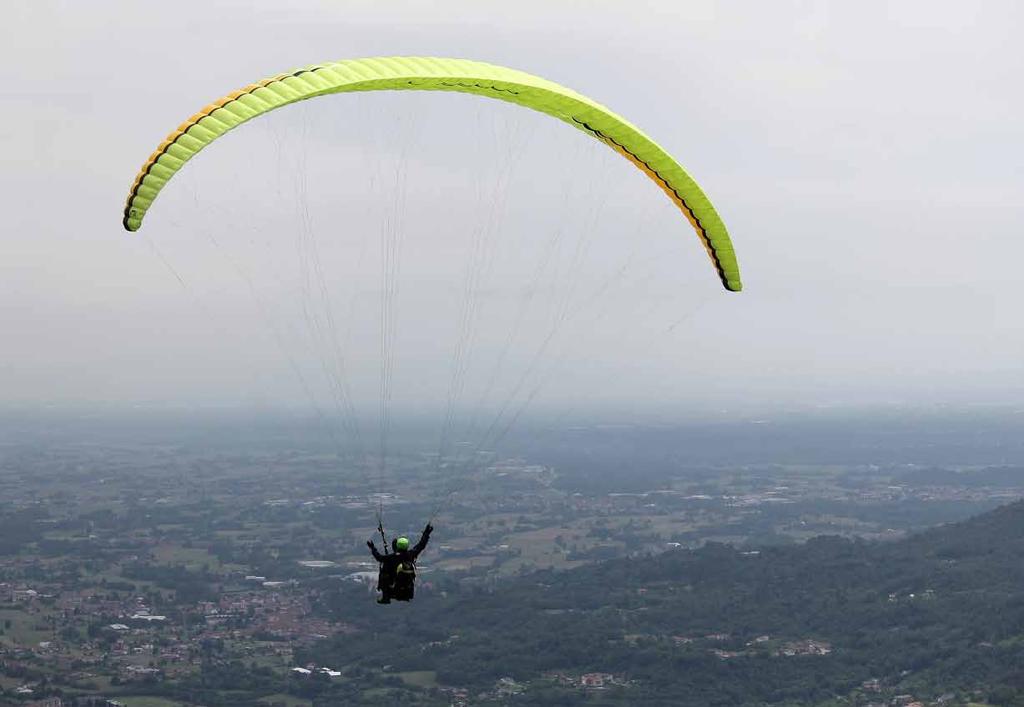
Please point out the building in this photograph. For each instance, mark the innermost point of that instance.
(595, 679)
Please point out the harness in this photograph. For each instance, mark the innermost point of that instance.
(405, 571)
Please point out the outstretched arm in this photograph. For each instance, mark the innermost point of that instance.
(424, 539)
(373, 549)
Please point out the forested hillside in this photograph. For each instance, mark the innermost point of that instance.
(938, 614)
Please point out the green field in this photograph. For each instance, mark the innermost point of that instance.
(287, 700)
(25, 630)
(9, 683)
(192, 558)
(144, 701)
(419, 678)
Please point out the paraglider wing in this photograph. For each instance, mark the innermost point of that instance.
(434, 74)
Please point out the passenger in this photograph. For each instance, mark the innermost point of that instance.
(397, 577)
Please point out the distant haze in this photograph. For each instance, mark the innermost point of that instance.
(866, 158)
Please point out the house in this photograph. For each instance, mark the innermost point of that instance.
(595, 679)
(24, 595)
(507, 687)
(141, 671)
(150, 618)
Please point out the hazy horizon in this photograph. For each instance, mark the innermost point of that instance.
(865, 159)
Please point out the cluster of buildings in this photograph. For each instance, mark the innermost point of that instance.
(312, 669)
(93, 634)
(805, 647)
(789, 649)
(589, 681)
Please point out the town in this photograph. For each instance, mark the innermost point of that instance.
(121, 574)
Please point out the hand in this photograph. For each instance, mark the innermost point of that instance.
(369, 544)
(428, 530)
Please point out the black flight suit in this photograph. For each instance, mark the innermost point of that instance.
(398, 569)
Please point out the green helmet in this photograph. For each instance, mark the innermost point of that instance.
(402, 543)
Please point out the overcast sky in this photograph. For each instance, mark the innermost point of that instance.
(866, 157)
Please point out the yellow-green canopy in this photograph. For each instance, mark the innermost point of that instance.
(433, 74)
